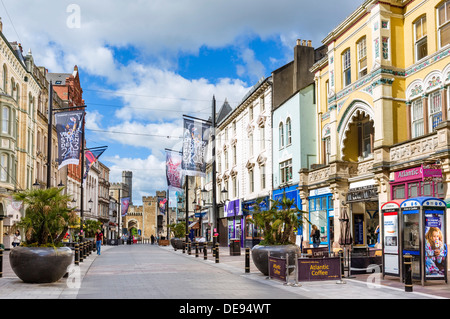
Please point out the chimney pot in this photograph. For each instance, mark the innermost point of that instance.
(309, 43)
(299, 42)
(304, 42)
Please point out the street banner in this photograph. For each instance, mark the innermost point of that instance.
(195, 140)
(174, 173)
(124, 203)
(91, 156)
(69, 132)
(162, 205)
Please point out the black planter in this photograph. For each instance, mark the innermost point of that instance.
(40, 264)
(261, 259)
(177, 243)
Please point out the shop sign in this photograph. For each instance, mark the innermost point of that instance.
(277, 268)
(364, 193)
(315, 269)
(232, 208)
(423, 172)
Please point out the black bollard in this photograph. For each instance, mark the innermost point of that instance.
(205, 252)
(408, 273)
(189, 248)
(184, 247)
(80, 251)
(247, 260)
(341, 256)
(196, 249)
(217, 253)
(77, 254)
(85, 249)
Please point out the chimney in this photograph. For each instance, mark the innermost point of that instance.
(304, 42)
(309, 43)
(299, 42)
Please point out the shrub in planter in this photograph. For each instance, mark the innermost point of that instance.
(42, 257)
(278, 225)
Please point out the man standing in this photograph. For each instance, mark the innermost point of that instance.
(98, 240)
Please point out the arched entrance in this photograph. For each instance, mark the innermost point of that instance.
(357, 135)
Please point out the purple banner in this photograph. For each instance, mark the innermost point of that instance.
(233, 208)
(315, 269)
(69, 132)
(174, 173)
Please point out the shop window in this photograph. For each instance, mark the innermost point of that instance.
(399, 192)
(427, 189)
(346, 67)
(413, 190)
(417, 118)
(444, 24)
(420, 38)
(439, 190)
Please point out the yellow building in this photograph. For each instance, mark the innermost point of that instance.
(382, 103)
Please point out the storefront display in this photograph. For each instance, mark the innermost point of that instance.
(252, 235)
(233, 213)
(321, 213)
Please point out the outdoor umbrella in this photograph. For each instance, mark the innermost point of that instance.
(345, 236)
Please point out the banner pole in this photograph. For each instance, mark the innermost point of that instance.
(49, 133)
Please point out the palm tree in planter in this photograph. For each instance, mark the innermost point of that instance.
(42, 257)
(179, 231)
(278, 225)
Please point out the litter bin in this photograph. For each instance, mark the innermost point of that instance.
(235, 247)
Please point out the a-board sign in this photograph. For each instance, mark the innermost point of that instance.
(311, 269)
(277, 268)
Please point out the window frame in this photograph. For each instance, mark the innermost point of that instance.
(418, 42)
(361, 58)
(346, 68)
(443, 25)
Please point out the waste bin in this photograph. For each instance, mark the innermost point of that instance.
(235, 247)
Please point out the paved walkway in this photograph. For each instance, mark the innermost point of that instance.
(158, 272)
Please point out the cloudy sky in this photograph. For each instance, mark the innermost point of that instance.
(145, 63)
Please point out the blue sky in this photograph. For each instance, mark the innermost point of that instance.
(143, 64)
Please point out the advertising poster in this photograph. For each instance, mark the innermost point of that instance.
(174, 174)
(435, 246)
(391, 233)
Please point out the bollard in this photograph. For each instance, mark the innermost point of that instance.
(189, 248)
(84, 250)
(80, 251)
(77, 254)
(205, 252)
(341, 256)
(184, 247)
(247, 260)
(217, 253)
(196, 249)
(408, 273)
(1, 262)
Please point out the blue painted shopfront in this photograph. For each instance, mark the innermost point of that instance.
(321, 213)
(291, 193)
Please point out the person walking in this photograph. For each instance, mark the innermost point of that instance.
(98, 240)
(315, 235)
(152, 239)
(16, 239)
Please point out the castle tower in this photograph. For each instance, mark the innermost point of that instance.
(127, 179)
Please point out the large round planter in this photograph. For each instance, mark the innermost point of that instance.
(261, 259)
(40, 264)
(177, 243)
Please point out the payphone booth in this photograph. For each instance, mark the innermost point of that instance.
(423, 233)
(390, 234)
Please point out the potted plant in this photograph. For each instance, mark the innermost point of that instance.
(42, 258)
(277, 225)
(178, 230)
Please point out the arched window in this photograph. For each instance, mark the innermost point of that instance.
(288, 132)
(281, 135)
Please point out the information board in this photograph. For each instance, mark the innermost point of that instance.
(315, 269)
